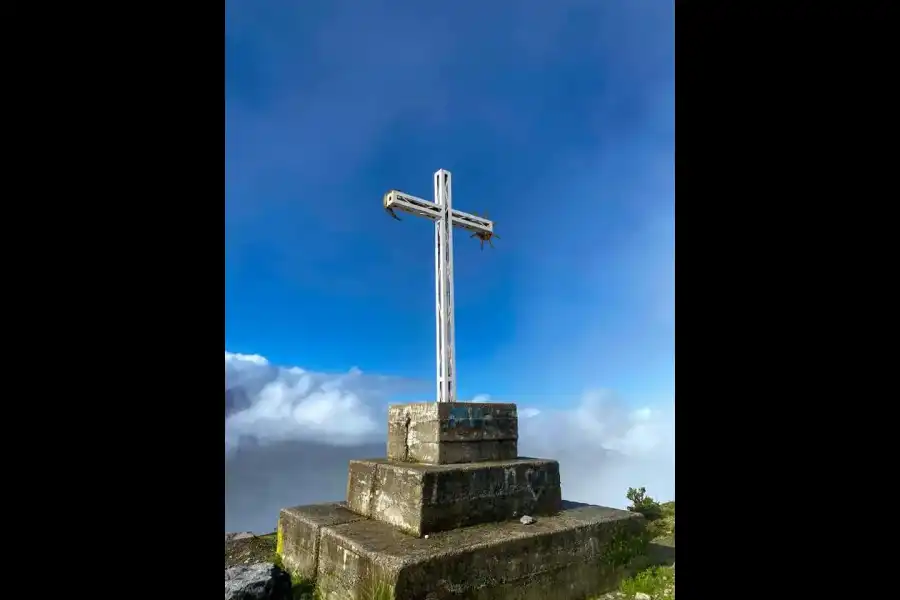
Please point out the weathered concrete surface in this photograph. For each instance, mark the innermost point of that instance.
(452, 432)
(421, 499)
(564, 557)
(299, 529)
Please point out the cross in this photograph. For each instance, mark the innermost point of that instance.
(445, 217)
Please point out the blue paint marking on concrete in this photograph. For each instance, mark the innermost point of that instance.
(465, 416)
(459, 413)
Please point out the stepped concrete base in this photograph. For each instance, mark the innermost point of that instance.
(570, 556)
(440, 433)
(299, 530)
(421, 499)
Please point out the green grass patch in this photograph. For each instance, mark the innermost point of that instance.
(656, 582)
(380, 590)
(302, 589)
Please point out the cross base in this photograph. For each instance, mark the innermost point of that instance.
(440, 433)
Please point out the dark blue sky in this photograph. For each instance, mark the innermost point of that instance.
(555, 117)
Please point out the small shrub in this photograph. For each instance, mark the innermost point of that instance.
(643, 504)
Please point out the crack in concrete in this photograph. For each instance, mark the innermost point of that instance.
(406, 438)
(370, 505)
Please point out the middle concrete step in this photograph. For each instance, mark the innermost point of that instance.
(419, 499)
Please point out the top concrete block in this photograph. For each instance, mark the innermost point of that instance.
(452, 432)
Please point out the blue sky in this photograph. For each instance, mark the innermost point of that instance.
(555, 117)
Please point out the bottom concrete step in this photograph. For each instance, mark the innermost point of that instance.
(570, 556)
(299, 532)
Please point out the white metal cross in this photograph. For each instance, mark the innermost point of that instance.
(445, 218)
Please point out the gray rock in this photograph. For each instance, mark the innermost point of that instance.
(641, 596)
(238, 536)
(261, 581)
(526, 520)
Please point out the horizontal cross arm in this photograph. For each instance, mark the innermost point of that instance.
(397, 200)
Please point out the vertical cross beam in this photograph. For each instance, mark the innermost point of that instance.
(443, 268)
(445, 218)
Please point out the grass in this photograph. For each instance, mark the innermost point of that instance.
(658, 580)
(260, 548)
(665, 526)
(303, 589)
(380, 590)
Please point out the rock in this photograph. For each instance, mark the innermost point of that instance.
(260, 581)
(526, 520)
(641, 596)
(238, 536)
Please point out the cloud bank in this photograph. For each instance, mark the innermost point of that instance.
(289, 433)
(268, 404)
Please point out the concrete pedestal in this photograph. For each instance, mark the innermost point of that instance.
(419, 499)
(438, 519)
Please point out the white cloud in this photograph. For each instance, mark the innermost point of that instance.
(603, 445)
(271, 404)
(239, 359)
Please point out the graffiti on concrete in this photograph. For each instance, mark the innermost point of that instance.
(466, 416)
